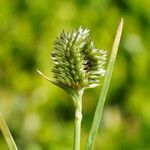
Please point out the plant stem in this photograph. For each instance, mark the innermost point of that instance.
(77, 128)
(100, 105)
(7, 135)
(78, 119)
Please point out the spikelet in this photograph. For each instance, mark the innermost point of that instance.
(77, 63)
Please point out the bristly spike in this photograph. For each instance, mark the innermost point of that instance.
(75, 53)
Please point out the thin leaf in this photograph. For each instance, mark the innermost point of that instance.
(7, 135)
(100, 105)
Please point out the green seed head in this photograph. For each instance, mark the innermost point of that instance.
(77, 63)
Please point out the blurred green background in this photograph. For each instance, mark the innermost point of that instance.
(41, 115)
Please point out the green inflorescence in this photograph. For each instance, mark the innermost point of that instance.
(77, 63)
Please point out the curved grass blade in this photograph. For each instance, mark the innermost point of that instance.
(7, 135)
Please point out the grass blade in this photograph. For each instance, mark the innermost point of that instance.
(100, 105)
(7, 135)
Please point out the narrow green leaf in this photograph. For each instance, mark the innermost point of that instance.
(7, 135)
(100, 105)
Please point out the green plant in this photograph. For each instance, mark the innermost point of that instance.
(78, 65)
(7, 135)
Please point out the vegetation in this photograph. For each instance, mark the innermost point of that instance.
(40, 118)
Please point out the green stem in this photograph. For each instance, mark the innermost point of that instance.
(100, 105)
(78, 119)
(7, 135)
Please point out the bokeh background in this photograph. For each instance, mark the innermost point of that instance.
(41, 115)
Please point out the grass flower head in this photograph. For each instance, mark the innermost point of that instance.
(77, 63)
